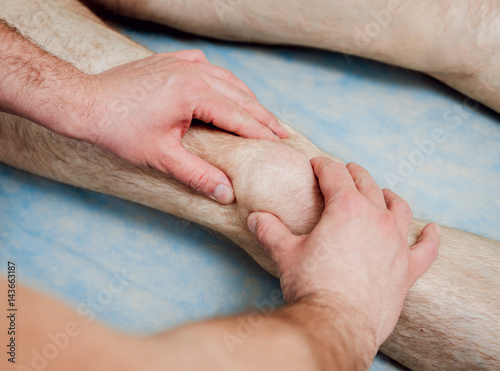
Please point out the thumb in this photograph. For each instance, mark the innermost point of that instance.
(425, 251)
(275, 238)
(197, 174)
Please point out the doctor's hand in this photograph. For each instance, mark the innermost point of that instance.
(142, 110)
(357, 254)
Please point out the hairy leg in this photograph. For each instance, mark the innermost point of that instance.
(454, 41)
(451, 317)
(71, 32)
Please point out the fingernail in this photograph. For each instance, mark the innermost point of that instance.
(438, 229)
(223, 194)
(252, 223)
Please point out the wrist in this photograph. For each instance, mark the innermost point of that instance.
(67, 107)
(342, 336)
(83, 115)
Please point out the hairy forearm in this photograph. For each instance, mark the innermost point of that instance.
(319, 332)
(34, 149)
(439, 323)
(339, 336)
(38, 86)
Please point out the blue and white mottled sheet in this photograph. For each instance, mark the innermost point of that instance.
(414, 134)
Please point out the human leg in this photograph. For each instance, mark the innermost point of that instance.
(453, 41)
(435, 299)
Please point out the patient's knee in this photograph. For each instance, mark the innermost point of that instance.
(277, 178)
(267, 176)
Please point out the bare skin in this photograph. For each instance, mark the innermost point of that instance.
(435, 304)
(453, 41)
(350, 332)
(169, 90)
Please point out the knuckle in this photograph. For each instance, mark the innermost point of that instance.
(351, 166)
(363, 182)
(160, 162)
(325, 168)
(192, 85)
(352, 202)
(226, 74)
(164, 57)
(403, 208)
(388, 223)
(246, 99)
(407, 210)
(240, 117)
(356, 169)
(261, 232)
(198, 54)
(199, 181)
(330, 165)
(183, 64)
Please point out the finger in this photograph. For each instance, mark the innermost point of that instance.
(248, 103)
(228, 76)
(366, 185)
(192, 55)
(227, 115)
(400, 208)
(197, 174)
(333, 177)
(425, 251)
(275, 238)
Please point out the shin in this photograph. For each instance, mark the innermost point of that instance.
(451, 317)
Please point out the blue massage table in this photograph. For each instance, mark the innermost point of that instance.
(414, 134)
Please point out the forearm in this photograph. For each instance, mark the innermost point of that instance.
(316, 333)
(441, 303)
(34, 149)
(313, 334)
(47, 334)
(338, 335)
(38, 86)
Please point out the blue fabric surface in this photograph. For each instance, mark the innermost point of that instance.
(71, 242)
